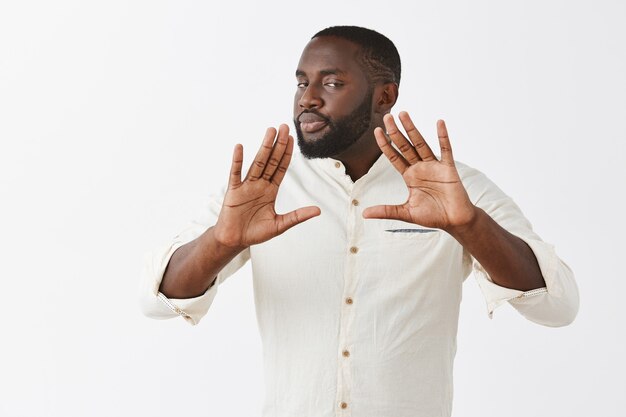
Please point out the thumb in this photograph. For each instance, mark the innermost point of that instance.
(386, 212)
(289, 220)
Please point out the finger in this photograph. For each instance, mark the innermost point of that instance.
(386, 212)
(403, 144)
(260, 160)
(281, 169)
(234, 180)
(398, 162)
(289, 220)
(277, 152)
(416, 137)
(444, 143)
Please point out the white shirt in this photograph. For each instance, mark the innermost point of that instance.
(358, 317)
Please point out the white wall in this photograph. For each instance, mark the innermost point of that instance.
(117, 119)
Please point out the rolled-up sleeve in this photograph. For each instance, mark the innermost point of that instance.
(554, 305)
(156, 305)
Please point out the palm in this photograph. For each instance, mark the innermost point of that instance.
(437, 197)
(248, 215)
(250, 209)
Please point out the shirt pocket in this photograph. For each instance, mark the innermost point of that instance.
(396, 230)
(415, 234)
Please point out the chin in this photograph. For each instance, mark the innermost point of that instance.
(312, 137)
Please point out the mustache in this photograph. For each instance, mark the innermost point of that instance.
(315, 112)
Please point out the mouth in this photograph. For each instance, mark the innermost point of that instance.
(311, 122)
(312, 127)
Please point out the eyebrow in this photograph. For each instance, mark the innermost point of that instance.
(330, 71)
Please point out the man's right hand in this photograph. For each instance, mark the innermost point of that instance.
(248, 216)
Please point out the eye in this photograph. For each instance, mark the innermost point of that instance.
(333, 84)
(302, 85)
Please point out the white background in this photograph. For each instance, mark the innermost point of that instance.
(117, 120)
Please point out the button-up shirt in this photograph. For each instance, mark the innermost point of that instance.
(358, 317)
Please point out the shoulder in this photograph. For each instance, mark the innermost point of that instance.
(468, 174)
(476, 183)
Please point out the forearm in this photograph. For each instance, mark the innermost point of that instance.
(193, 267)
(508, 260)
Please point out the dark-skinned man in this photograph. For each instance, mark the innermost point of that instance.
(358, 304)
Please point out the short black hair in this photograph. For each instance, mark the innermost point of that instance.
(378, 54)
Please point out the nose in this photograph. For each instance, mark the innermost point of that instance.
(310, 98)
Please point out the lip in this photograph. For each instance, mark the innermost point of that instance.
(312, 127)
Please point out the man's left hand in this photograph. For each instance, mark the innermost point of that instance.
(437, 197)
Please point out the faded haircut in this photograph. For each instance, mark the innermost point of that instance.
(378, 55)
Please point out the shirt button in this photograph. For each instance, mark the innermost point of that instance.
(343, 405)
(337, 164)
(354, 249)
(355, 202)
(348, 300)
(345, 353)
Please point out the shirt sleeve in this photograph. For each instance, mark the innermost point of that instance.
(554, 305)
(156, 305)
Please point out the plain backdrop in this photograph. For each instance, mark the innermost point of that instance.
(118, 119)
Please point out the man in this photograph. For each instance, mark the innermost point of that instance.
(358, 305)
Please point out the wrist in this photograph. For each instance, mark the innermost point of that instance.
(221, 243)
(468, 227)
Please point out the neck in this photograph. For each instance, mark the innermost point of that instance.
(359, 158)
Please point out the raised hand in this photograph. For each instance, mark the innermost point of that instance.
(248, 216)
(437, 197)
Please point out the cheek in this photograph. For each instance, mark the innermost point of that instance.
(341, 107)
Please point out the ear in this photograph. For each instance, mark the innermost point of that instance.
(386, 96)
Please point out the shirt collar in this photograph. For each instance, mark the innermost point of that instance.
(336, 169)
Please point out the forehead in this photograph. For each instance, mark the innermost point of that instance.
(330, 52)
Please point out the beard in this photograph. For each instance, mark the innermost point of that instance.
(342, 133)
